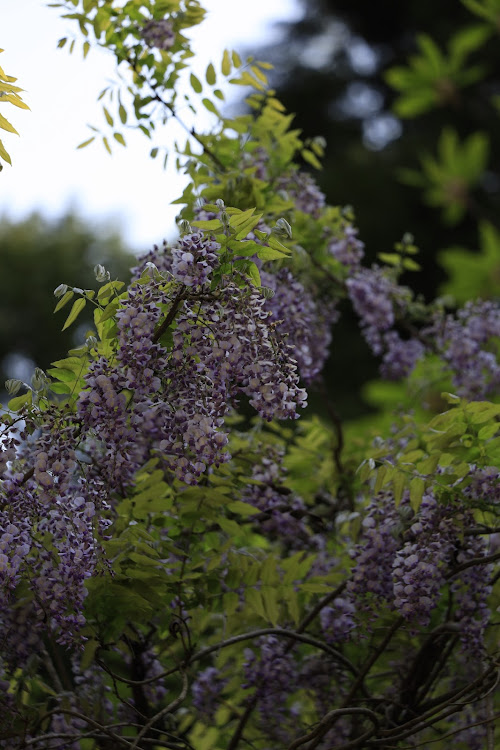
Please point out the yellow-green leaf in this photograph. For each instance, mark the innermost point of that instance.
(108, 117)
(78, 306)
(4, 154)
(5, 125)
(254, 599)
(270, 597)
(398, 484)
(119, 137)
(17, 403)
(196, 83)
(417, 487)
(210, 106)
(86, 143)
(210, 75)
(311, 158)
(226, 63)
(64, 300)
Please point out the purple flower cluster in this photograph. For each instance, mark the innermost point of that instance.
(305, 321)
(337, 621)
(468, 342)
(348, 248)
(484, 486)
(206, 690)
(273, 675)
(400, 356)
(302, 189)
(373, 556)
(194, 260)
(419, 567)
(175, 399)
(371, 293)
(47, 527)
(471, 588)
(160, 257)
(407, 562)
(159, 34)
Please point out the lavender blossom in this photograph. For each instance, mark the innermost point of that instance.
(159, 34)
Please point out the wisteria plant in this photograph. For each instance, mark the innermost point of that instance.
(185, 565)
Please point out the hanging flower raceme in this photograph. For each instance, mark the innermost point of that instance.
(173, 397)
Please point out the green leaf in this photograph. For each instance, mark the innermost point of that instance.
(311, 158)
(488, 431)
(210, 224)
(398, 485)
(4, 154)
(254, 599)
(106, 144)
(64, 300)
(226, 64)
(108, 117)
(241, 508)
(253, 273)
(210, 106)
(17, 403)
(60, 388)
(270, 599)
(277, 245)
(5, 125)
(268, 253)
(210, 75)
(417, 487)
(78, 306)
(87, 142)
(119, 137)
(196, 84)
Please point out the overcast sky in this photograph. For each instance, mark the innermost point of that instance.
(61, 89)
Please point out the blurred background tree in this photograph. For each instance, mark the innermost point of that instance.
(38, 254)
(337, 59)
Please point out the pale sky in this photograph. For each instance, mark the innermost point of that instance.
(48, 173)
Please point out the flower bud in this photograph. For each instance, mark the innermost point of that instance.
(319, 141)
(220, 204)
(266, 292)
(60, 290)
(185, 226)
(38, 379)
(282, 229)
(101, 274)
(13, 385)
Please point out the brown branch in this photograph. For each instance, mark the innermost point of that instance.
(293, 635)
(484, 560)
(178, 299)
(330, 718)
(156, 97)
(164, 711)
